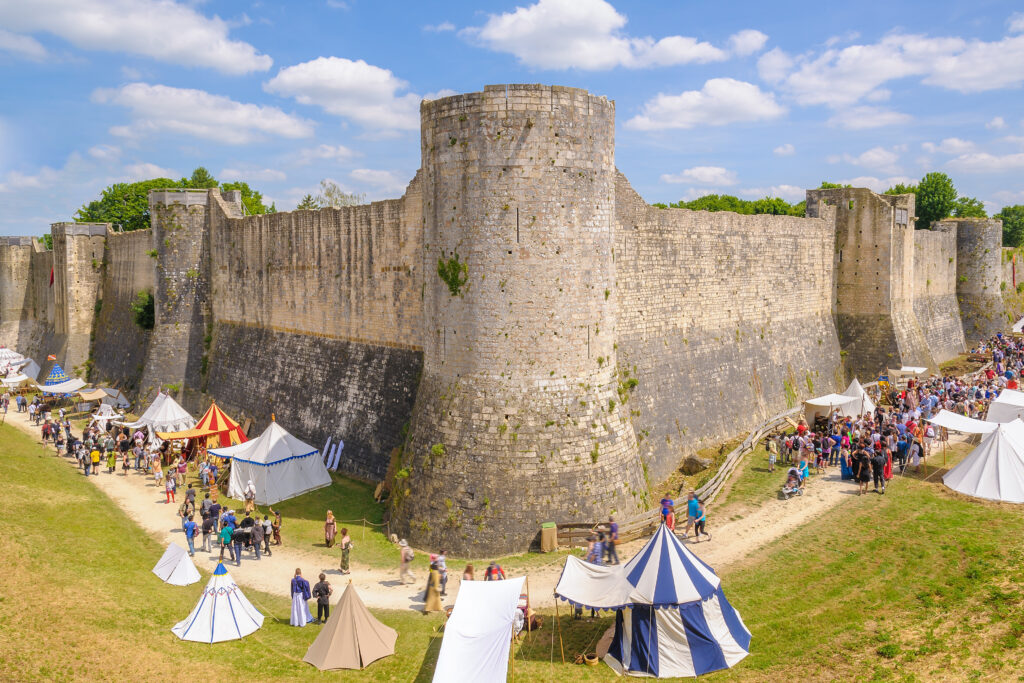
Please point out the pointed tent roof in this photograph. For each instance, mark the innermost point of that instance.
(664, 573)
(856, 390)
(995, 469)
(222, 613)
(215, 426)
(352, 637)
(279, 465)
(164, 414)
(10, 356)
(1006, 407)
(56, 376)
(176, 567)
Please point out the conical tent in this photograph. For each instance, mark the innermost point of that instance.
(864, 404)
(164, 415)
(352, 637)
(56, 376)
(995, 469)
(215, 426)
(104, 414)
(672, 617)
(176, 567)
(279, 466)
(222, 613)
(9, 357)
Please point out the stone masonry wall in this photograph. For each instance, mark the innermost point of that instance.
(723, 319)
(935, 303)
(78, 270)
(979, 274)
(15, 288)
(316, 318)
(517, 419)
(121, 346)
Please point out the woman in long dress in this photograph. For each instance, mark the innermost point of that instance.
(300, 594)
(330, 529)
(346, 549)
(434, 590)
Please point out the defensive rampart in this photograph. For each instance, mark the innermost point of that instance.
(935, 303)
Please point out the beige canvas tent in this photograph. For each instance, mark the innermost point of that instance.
(352, 637)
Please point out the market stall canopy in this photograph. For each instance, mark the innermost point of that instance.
(1006, 407)
(961, 423)
(67, 387)
(478, 634)
(164, 414)
(853, 402)
(215, 426)
(18, 379)
(995, 469)
(279, 465)
(105, 395)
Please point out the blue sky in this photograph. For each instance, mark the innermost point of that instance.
(749, 98)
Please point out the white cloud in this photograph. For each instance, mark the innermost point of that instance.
(747, 42)
(721, 101)
(197, 113)
(997, 123)
(333, 153)
(877, 184)
(702, 175)
(162, 29)
(442, 27)
(841, 77)
(146, 171)
(951, 146)
(1016, 22)
(859, 118)
(876, 158)
(16, 180)
(383, 181)
(790, 193)
(785, 150)
(983, 162)
(585, 34)
(364, 93)
(253, 174)
(105, 152)
(26, 47)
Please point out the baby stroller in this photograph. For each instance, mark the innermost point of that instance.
(794, 485)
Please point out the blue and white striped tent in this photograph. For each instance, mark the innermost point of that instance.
(672, 618)
(222, 613)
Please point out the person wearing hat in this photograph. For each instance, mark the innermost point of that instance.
(406, 557)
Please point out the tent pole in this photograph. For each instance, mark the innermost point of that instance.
(558, 625)
(512, 656)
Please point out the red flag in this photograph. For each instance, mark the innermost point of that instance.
(51, 357)
(51, 276)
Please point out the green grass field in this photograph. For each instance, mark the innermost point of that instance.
(921, 584)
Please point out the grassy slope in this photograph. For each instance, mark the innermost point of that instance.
(919, 584)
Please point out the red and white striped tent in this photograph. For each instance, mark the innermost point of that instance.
(215, 426)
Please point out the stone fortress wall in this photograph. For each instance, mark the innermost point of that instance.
(594, 343)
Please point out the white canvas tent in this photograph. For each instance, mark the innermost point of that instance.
(995, 469)
(176, 567)
(68, 387)
(103, 415)
(278, 464)
(672, 618)
(961, 423)
(18, 379)
(222, 613)
(10, 357)
(478, 634)
(1006, 407)
(1019, 326)
(853, 402)
(164, 415)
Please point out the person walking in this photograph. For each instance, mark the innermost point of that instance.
(250, 496)
(268, 531)
(225, 542)
(209, 532)
(406, 557)
(878, 470)
(433, 594)
(190, 536)
(300, 594)
(238, 539)
(276, 526)
(256, 536)
(442, 567)
(611, 541)
(699, 524)
(330, 529)
(494, 572)
(346, 549)
(169, 487)
(322, 592)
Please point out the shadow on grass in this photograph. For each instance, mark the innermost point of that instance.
(426, 671)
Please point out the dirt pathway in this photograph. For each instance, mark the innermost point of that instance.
(144, 502)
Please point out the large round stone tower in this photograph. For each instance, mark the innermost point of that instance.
(518, 419)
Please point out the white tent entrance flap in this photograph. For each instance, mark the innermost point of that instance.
(176, 567)
(478, 635)
(672, 617)
(279, 466)
(961, 423)
(995, 469)
(222, 613)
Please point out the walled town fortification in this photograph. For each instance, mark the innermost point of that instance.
(580, 344)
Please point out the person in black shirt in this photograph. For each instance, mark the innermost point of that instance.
(322, 592)
(878, 470)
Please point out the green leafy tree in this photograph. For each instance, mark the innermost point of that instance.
(124, 204)
(969, 207)
(201, 179)
(308, 203)
(727, 202)
(252, 199)
(936, 198)
(826, 185)
(1013, 225)
(331, 195)
(901, 188)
